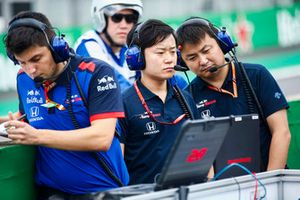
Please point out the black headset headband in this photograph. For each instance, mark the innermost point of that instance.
(196, 21)
(30, 22)
(136, 34)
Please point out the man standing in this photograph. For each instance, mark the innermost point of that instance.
(218, 88)
(155, 108)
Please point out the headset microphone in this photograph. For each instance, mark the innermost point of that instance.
(215, 68)
(180, 68)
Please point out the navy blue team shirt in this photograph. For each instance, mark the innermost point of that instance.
(211, 103)
(75, 172)
(147, 143)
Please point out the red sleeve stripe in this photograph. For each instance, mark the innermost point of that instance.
(90, 66)
(107, 115)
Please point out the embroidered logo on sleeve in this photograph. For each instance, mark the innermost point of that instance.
(277, 95)
(106, 83)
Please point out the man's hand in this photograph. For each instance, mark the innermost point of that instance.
(21, 132)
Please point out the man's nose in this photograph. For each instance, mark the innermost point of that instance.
(202, 59)
(28, 67)
(170, 57)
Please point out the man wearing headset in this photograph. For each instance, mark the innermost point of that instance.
(217, 89)
(112, 20)
(71, 104)
(152, 101)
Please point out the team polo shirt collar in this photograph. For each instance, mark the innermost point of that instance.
(147, 94)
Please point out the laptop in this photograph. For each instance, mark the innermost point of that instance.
(190, 157)
(241, 145)
(193, 152)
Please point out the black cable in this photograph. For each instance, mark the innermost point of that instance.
(248, 96)
(70, 107)
(80, 90)
(189, 82)
(253, 94)
(107, 169)
(100, 161)
(183, 102)
(187, 77)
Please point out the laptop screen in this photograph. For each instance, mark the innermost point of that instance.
(242, 146)
(193, 152)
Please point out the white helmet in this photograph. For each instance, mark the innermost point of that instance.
(99, 7)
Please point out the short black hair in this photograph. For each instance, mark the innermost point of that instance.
(194, 29)
(149, 33)
(20, 38)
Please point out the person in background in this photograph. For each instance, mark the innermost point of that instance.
(112, 20)
(152, 101)
(71, 105)
(218, 90)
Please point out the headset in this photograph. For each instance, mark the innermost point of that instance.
(58, 46)
(134, 56)
(221, 35)
(223, 38)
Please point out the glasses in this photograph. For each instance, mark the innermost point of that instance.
(130, 18)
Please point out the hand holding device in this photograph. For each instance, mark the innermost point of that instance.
(3, 129)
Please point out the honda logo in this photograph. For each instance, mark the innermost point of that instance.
(205, 114)
(34, 111)
(151, 126)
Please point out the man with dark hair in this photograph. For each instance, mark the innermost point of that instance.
(218, 88)
(153, 107)
(71, 104)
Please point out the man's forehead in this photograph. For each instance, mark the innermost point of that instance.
(189, 48)
(31, 52)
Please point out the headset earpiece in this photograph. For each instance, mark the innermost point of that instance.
(226, 43)
(135, 59)
(134, 56)
(58, 46)
(182, 66)
(223, 38)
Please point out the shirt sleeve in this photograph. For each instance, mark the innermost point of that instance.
(121, 129)
(269, 93)
(105, 99)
